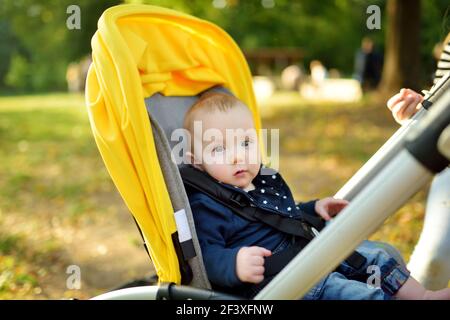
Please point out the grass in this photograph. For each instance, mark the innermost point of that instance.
(51, 175)
(17, 277)
(48, 156)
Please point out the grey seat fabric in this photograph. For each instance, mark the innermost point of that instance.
(166, 114)
(169, 111)
(179, 201)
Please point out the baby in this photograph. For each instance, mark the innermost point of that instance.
(235, 249)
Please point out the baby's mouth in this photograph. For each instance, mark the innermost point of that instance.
(240, 172)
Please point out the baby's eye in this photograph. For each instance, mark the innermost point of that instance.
(218, 149)
(246, 143)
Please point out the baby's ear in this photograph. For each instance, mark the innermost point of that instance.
(190, 159)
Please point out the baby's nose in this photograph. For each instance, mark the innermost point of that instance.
(239, 157)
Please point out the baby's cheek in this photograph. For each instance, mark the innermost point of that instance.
(228, 173)
(220, 172)
(255, 166)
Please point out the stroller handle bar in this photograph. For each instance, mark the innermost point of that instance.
(392, 147)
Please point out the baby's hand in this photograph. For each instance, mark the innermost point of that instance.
(404, 104)
(329, 207)
(250, 264)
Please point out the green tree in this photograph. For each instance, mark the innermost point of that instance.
(402, 65)
(44, 40)
(6, 51)
(19, 73)
(331, 31)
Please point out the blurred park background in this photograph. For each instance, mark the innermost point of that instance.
(58, 206)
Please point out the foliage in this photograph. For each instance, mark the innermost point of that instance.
(19, 73)
(41, 41)
(331, 31)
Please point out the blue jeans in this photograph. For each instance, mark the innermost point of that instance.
(378, 279)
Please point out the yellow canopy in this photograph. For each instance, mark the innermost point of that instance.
(139, 50)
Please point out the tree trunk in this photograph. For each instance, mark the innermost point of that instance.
(402, 54)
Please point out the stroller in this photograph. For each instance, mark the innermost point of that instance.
(150, 64)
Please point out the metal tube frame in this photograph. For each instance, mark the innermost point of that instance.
(390, 148)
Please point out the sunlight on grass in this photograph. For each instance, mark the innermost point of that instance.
(47, 153)
(50, 175)
(42, 102)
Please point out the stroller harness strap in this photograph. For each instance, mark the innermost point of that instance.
(240, 205)
(304, 228)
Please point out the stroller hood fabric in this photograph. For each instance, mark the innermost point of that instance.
(137, 51)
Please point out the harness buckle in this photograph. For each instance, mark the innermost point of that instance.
(314, 231)
(237, 199)
(310, 229)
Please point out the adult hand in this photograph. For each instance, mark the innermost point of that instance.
(329, 207)
(404, 104)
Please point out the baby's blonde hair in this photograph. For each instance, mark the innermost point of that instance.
(209, 102)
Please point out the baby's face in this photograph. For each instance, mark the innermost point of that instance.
(229, 147)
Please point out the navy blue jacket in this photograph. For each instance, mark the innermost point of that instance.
(222, 233)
